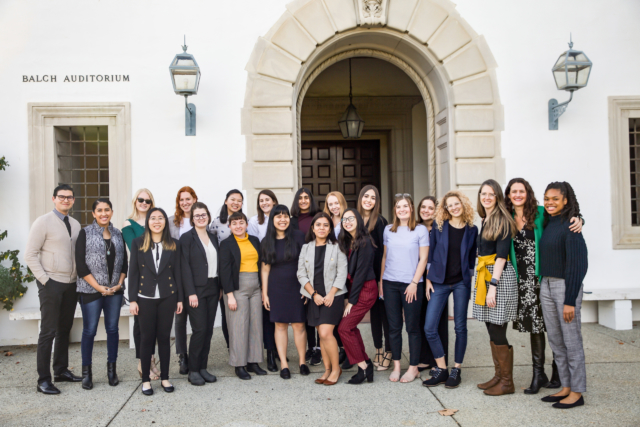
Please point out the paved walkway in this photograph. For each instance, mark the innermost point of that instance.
(613, 369)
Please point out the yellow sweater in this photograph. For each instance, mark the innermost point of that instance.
(248, 255)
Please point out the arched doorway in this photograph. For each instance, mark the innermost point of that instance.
(449, 63)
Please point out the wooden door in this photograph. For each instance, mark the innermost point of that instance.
(344, 166)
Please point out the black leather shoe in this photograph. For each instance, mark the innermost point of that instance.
(147, 392)
(47, 387)
(316, 358)
(210, 378)
(555, 377)
(87, 378)
(184, 364)
(308, 354)
(346, 364)
(285, 374)
(455, 377)
(272, 366)
(256, 369)
(539, 378)
(439, 377)
(66, 376)
(169, 389)
(553, 399)
(112, 375)
(342, 356)
(304, 370)
(560, 405)
(195, 378)
(242, 373)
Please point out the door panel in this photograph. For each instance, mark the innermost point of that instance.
(344, 166)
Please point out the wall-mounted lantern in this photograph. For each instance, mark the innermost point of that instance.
(351, 125)
(571, 72)
(185, 77)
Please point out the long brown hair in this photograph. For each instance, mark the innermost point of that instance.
(419, 219)
(375, 212)
(412, 218)
(499, 223)
(530, 204)
(260, 212)
(442, 213)
(179, 215)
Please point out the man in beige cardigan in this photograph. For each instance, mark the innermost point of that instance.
(50, 255)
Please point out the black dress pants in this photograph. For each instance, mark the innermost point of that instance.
(268, 331)
(202, 319)
(57, 309)
(181, 329)
(136, 337)
(426, 355)
(156, 317)
(379, 323)
(395, 302)
(225, 329)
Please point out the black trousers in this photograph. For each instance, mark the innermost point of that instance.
(225, 329)
(426, 356)
(395, 301)
(156, 317)
(268, 331)
(57, 308)
(181, 329)
(379, 323)
(202, 319)
(136, 337)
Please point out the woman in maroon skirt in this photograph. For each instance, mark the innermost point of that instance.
(356, 242)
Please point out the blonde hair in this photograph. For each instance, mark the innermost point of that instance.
(343, 203)
(412, 218)
(499, 223)
(442, 213)
(134, 211)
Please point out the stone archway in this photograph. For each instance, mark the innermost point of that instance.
(451, 65)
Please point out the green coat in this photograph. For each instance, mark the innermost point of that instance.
(537, 231)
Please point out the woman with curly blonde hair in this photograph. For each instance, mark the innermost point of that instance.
(452, 257)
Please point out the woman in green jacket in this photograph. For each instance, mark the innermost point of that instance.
(521, 202)
(134, 227)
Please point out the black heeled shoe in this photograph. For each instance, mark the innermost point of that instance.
(272, 366)
(363, 374)
(256, 369)
(184, 364)
(168, 389)
(560, 405)
(112, 375)
(242, 373)
(555, 377)
(285, 374)
(87, 378)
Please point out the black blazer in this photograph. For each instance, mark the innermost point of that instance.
(361, 269)
(230, 262)
(439, 250)
(378, 238)
(194, 266)
(143, 278)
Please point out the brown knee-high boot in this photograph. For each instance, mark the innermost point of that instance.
(496, 378)
(505, 385)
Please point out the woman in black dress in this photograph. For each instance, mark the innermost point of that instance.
(280, 288)
(322, 273)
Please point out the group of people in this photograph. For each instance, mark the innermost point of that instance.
(320, 271)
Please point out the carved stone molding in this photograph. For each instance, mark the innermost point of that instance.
(373, 13)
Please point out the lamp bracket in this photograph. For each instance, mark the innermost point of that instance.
(556, 110)
(189, 118)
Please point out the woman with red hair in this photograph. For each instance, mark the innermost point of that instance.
(179, 224)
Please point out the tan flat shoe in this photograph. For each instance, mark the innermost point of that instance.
(322, 380)
(327, 382)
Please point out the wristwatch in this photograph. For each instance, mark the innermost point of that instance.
(493, 282)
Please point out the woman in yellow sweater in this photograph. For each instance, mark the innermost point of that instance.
(240, 279)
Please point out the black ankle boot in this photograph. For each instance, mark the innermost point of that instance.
(87, 378)
(272, 366)
(369, 371)
(539, 379)
(112, 375)
(359, 377)
(184, 364)
(555, 377)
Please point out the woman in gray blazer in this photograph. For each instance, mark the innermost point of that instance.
(322, 273)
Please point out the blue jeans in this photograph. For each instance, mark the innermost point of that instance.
(438, 302)
(90, 318)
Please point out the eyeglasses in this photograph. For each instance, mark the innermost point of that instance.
(403, 195)
(63, 198)
(348, 220)
(201, 216)
(490, 195)
(455, 205)
(146, 201)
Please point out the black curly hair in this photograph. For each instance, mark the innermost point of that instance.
(571, 209)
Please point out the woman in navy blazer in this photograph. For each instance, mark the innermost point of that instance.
(452, 258)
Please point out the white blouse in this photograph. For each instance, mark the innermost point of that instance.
(257, 229)
(212, 259)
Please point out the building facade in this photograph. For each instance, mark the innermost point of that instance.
(451, 95)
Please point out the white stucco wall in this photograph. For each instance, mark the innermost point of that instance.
(128, 37)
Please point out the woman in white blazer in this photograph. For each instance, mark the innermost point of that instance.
(322, 273)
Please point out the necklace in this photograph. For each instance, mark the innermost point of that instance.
(108, 249)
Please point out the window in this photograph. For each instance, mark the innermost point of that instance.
(624, 148)
(83, 163)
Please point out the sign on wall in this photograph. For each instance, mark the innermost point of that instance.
(76, 78)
